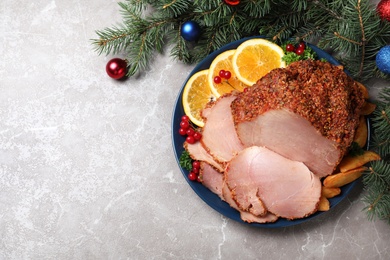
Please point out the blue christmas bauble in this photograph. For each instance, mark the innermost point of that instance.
(190, 31)
(383, 59)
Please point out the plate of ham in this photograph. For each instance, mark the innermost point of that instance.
(264, 152)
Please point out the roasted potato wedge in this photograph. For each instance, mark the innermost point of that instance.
(324, 204)
(367, 108)
(363, 89)
(330, 192)
(361, 132)
(342, 178)
(352, 162)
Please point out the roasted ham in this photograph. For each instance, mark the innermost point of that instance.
(263, 181)
(306, 94)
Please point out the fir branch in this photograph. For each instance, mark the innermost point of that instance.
(213, 13)
(137, 54)
(351, 28)
(181, 48)
(132, 12)
(363, 39)
(176, 8)
(329, 7)
(138, 6)
(169, 4)
(309, 32)
(258, 8)
(384, 97)
(377, 179)
(381, 144)
(383, 131)
(377, 185)
(112, 40)
(381, 123)
(377, 175)
(348, 40)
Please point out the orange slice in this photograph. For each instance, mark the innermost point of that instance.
(196, 95)
(224, 62)
(256, 57)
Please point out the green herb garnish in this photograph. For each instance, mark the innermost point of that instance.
(290, 56)
(185, 160)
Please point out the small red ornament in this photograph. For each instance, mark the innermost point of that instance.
(116, 68)
(383, 10)
(232, 2)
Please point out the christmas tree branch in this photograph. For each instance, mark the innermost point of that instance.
(332, 13)
(299, 19)
(363, 42)
(373, 205)
(377, 179)
(346, 39)
(169, 4)
(112, 40)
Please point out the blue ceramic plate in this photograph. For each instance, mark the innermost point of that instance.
(205, 194)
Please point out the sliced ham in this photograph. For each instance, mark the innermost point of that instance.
(286, 188)
(211, 178)
(219, 136)
(245, 215)
(198, 153)
(292, 136)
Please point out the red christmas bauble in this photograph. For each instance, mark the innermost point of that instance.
(383, 9)
(232, 2)
(116, 68)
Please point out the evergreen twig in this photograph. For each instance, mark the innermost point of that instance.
(351, 28)
(377, 179)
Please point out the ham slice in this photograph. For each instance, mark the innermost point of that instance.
(198, 153)
(219, 136)
(292, 136)
(245, 215)
(211, 178)
(260, 178)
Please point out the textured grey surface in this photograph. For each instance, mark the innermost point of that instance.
(87, 169)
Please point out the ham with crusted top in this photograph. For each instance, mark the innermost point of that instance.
(307, 112)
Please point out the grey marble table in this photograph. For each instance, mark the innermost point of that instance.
(87, 169)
